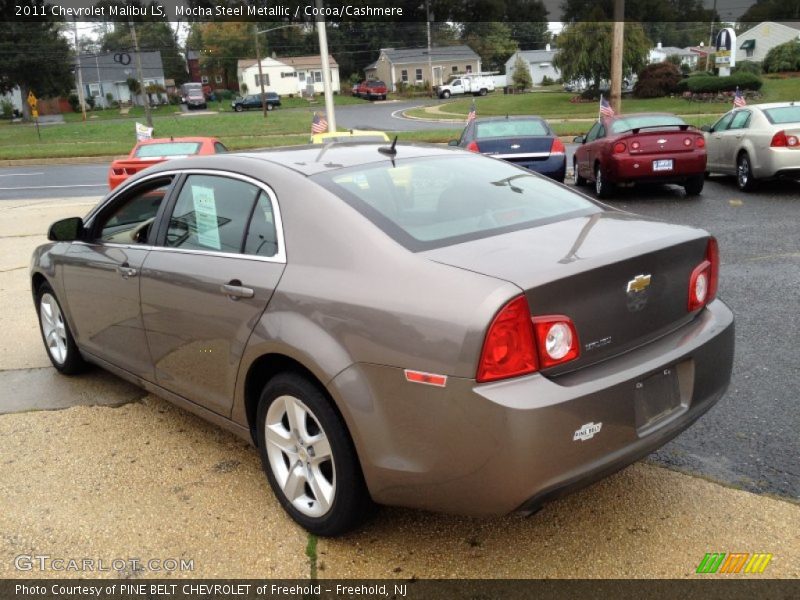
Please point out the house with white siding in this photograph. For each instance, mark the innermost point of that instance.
(756, 42)
(287, 75)
(539, 63)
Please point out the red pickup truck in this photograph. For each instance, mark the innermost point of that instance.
(371, 89)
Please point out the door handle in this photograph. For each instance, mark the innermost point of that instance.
(235, 290)
(127, 271)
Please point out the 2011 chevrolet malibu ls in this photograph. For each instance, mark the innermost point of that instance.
(409, 325)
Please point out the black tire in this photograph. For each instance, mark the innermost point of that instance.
(602, 188)
(383, 97)
(694, 185)
(238, 108)
(72, 362)
(744, 173)
(269, 106)
(446, 94)
(350, 503)
(579, 181)
(483, 92)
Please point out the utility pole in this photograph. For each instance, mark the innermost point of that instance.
(711, 37)
(326, 67)
(148, 117)
(260, 72)
(616, 55)
(430, 59)
(78, 69)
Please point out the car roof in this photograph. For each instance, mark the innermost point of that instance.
(772, 105)
(643, 114)
(177, 139)
(312, 159)
(509, 118)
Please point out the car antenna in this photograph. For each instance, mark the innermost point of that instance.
(390, 151)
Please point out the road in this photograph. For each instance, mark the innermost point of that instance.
(53, 181)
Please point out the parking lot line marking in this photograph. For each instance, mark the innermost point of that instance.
(48, 187)
(735, 202)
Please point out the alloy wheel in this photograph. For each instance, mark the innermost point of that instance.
(53, 328)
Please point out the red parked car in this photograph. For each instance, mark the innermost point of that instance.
(640, 148)
(371, 89)
(150, 152)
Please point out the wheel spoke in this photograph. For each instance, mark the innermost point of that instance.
(293, 486)
(280, 438)
(322, 489)
(322, 448)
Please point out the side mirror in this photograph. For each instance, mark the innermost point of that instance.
(578, 139)
(707, 128)
(66, 230)
(452, 143)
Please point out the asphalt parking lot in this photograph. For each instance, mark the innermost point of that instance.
(115, 473)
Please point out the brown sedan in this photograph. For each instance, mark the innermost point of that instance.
(414, 326)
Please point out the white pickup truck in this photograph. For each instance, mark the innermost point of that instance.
(466, 84)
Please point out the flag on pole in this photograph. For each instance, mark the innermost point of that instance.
(319, 124)
(605, 108)
(738, 99)
(473, 112)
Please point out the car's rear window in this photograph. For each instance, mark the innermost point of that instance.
(376, 84)
(783, 114)
(637, 122)
(428, 202)
(168, 149)
(511, 128)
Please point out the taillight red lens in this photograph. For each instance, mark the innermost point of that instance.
(509, 349)
(118, 171)
(779, 140)
(473, 146)
(556, 340)
(700, 141)
(704, 280)
(619, 147)
(557, 147)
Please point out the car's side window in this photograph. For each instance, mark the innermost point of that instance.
(211, 213)
(740, 120)
(129, 220)
(723, 123)
(219, 148)
(592, 135)
(261, 238)
(601, 133)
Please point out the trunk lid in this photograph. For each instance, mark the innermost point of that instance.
(657, 142)
(593, 269)
(517, 149)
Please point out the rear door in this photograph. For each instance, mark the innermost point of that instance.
(219, 258)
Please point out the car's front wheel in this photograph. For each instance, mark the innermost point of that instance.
(744, 173)
(602, 188)
(61, 348)
(445, 94)
(238, 108)
(270, 106)
(309, 458)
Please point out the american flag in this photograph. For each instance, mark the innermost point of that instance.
(319, 124)
(605, 108)
(738, 99)
(473, 112)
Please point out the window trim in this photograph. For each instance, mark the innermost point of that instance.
(165, 210)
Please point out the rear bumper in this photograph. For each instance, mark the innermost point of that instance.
(554, 167)
(512, 445)
(778, 162)
(632, 169)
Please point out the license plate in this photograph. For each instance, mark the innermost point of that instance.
(656, 397)
(662, 165)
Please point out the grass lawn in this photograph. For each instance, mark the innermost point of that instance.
(558, 105)
(137, 112)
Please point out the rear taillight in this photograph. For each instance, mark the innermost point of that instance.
(781, 140)
(700, 141)
(508, 349)
(118, 171)
(619, 147)
(473, 146)
(557, 147)
(130, 171)
(517, 344)
(704, 280)
(556, 340)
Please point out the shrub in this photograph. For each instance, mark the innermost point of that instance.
(90, 101)
(785, 57)
(74, 102)
(747, 66)
(7, 108)
(547, 81)
(521, 77)
(711, 83)
(657, 80)
(593, 93)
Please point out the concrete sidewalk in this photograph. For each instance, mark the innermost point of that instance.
(144, 479)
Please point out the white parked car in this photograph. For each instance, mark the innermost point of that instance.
(760, 141)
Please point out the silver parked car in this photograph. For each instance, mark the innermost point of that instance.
(413, 325)
(760, 141)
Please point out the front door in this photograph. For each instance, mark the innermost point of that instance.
(101, 277)
(205, 286)
(715, 147)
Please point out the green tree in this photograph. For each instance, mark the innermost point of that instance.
(785, 57)
(521, 77)
(492, 42)
(35, 57)
(224, 43)
(771, 10)
(585, 51)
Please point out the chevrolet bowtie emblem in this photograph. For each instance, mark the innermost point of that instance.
(662, 141)
(638, 283)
